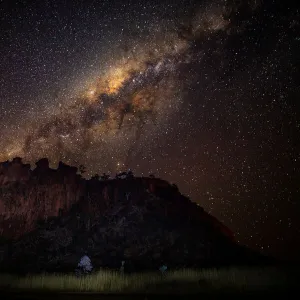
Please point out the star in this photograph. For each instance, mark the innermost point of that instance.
(202, 94)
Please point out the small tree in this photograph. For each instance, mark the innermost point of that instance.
(82, 169)
(104, 176)
(130, 174)
(95, 177)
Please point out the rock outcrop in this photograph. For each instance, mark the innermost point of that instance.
(27, 196)
(52, 216)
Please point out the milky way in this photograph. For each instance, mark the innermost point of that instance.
(131, 100)
(198, 93)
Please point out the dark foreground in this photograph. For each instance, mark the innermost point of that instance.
(182, 295)
(183, 284)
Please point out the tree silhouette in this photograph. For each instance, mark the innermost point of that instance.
(95, 177)
(82, 169)
(104, 176)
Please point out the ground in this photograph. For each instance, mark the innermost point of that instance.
(107, 284)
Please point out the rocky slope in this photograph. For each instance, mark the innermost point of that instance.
(49, 218)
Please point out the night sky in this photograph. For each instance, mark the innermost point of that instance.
(200, 93)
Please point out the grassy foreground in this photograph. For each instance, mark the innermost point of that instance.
(187, 281)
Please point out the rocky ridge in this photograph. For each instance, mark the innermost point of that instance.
(49, 217)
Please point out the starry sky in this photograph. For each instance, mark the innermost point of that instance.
(200, 93)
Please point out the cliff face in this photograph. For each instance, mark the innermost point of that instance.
(28, 196)
(54, 215)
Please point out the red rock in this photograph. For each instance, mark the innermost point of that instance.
(46, 193)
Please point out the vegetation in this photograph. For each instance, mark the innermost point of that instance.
(191, 281)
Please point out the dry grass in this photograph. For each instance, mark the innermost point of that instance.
(237, 279)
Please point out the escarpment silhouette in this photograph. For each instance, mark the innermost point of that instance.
(48, 217)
